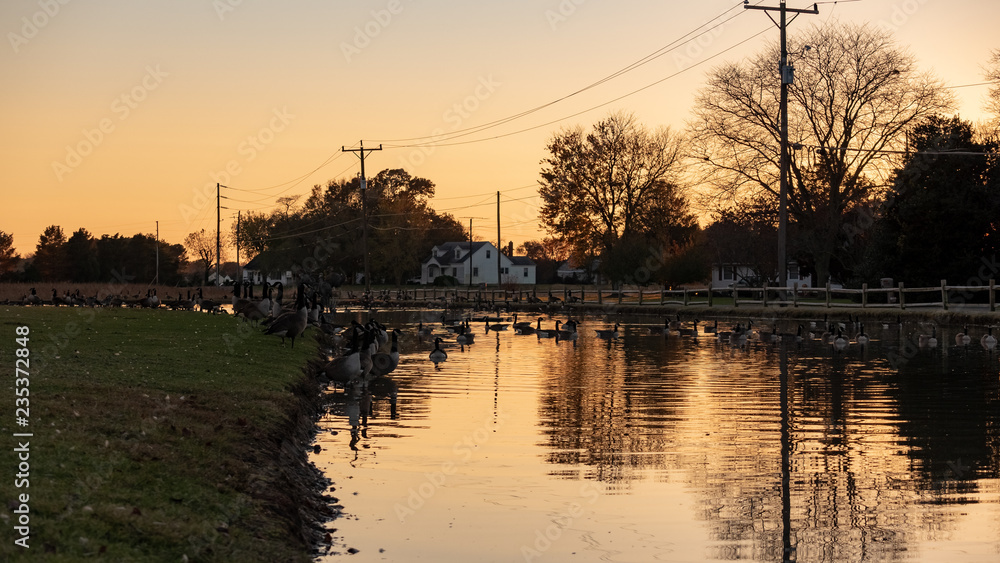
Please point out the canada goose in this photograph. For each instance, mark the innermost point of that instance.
(264, 305)
(206, 304)
(382, 363)
(738, 336)
(495, 327)
(925, 341)
(543, 333)
(464, 336)
(861, 338)
(608, 333)
(676, 323)
(32, 298)
(712, 329)
(658, 330)
(239, 301)
(154, 300)
(987, 340)
(521, 324)
(291, 324)
(437, 354)
(565, 334)
(899, 322)
(963, 338)
(347, 367)
(276, 294)
(839, 342)
(424, 331)
(689, 331)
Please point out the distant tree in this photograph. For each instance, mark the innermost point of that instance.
(613, 192)
(82, 258)
(855, 93)
(201, 245)
(993, 74)
(940, 220)
(50, 255)
(8, 258)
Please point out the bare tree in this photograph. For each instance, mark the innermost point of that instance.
(201, 245)
(616, 183)
(855, 94)
(993, 75)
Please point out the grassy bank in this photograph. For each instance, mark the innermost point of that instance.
(158, 436)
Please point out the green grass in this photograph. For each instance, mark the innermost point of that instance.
(156, 436)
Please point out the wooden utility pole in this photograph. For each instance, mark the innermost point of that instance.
(364, 206)
(786, 72)
(218, 243)
(156, 280)
(499, 243)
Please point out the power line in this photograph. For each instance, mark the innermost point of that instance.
(642, 61)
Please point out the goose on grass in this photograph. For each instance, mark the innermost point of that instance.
(291, 324)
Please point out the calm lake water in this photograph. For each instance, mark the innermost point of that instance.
(680, 449)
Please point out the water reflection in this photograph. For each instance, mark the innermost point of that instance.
(783, 451)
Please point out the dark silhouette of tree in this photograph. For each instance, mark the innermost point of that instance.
(50, 255)
(746, 234)
(613, 192)
(201, 245)
(8, 258)
(940, 220)
(993, 74)
(854, 95)
(82, 257)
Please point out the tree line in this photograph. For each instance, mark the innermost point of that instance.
(883, 181)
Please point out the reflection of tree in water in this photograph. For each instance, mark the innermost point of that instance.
(868, 447)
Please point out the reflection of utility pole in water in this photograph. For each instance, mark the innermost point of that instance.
(788, 550)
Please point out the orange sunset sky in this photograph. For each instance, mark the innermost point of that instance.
(119, 114)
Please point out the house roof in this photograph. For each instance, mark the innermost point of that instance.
(447, 254)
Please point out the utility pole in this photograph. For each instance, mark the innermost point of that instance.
(786, 72)
(499, 245)
(218, 223)
(364, 206)
(156, 280)
(470, 252)
(239, 271)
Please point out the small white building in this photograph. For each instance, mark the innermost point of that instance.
(256, 273)
(455, 259)
(728, 275)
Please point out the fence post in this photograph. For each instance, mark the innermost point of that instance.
(621, 293)
(640, 294)
(600, 295)
(795, 295)
(663, 289)
(944, 294)
(864, 295)
(763, 295)
(827, 294)
(709, 294)
(685, 297)
(736, 297)
(993, 298)
(902, 299)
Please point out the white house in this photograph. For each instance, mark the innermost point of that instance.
(256, 273)
(728, 275)
(454, 259)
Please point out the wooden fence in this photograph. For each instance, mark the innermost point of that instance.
(896, 297)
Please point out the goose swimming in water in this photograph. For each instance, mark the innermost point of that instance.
(437, 354)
